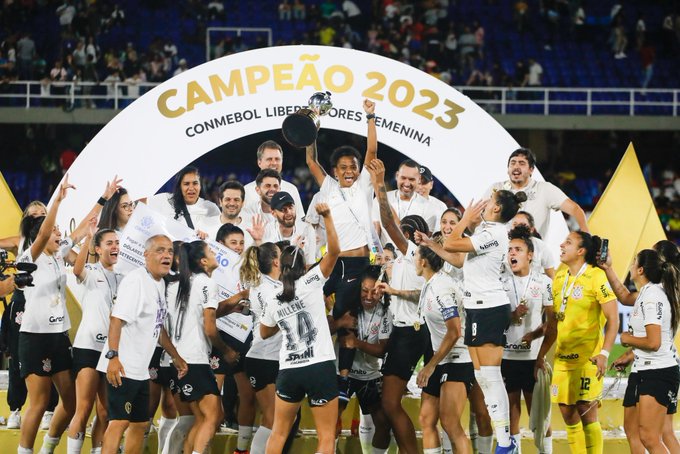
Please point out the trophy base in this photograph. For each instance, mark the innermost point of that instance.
(301, 128)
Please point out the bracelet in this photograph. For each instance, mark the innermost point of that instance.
(101, 201)
(370, 116)
(604, 353)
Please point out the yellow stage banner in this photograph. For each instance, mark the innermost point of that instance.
(11, 212)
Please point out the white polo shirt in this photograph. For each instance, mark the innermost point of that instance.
(189, 334)
(142, 306)
(200, 212)
(417, 205)
(261, 296)
(302, 230)
(483, 268)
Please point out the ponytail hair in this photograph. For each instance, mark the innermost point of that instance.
(412, 223)
(592, 244)
(257, 260)
(190, 255)
(509, 203)
(668, 252)
(292, 269)
(29, 229)
(522, 232)
(531, 221)
(109, 216)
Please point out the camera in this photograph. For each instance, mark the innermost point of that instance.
(22, 278)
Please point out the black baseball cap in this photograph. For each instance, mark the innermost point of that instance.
(280, 200)
(425, 173)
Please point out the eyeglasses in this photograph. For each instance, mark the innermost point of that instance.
(128, 205)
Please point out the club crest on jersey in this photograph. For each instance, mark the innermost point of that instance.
(553, 390)
(374, 329)
(153, 373)
(578, 292)
(47, 364)
(535, 292)
(214, 362)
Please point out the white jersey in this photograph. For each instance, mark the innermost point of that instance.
(437, 207)
(260, 296)
(536, 290)
(45, 310)
(301, 230)
(200, 212)
(542, 258)
(541, 198)
(290, 188)
(417, 205)
(306, 335)
(213, 225)
(438, 304)
(373, 326)
(253, 209)
(171, 316)
(351, 209)
(483, 268)
(404, 277)
(189, 334)
(101, 288)
(652, 308)
(142, 306)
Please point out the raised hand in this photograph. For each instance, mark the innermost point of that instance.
(112, 187)
(323, 209)
(376, 169)
(473, 212)
(63, 189)
(369, 106)
(256, 230)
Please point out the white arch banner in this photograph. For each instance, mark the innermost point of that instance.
(249, 92)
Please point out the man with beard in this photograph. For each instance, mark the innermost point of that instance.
(270, 156)
(267, 183)
(542, 197)
(231, 201)
(288, 228)
(405, 200)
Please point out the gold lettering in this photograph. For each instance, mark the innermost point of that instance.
(309, 77)
(256, 75)
(162, 104)
(283, 81)
(348, 78)
(219, 87)
(196, 95)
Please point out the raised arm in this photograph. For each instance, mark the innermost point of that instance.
(84, 254)
(371, 135)
(454, 258)
(313, 163)
(471, 218)
(11, 244)
(377, 170)
(81, 230)
(574, 210)
(332, 243)
(625, 296)
(48, 224)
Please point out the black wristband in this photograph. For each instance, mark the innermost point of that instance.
(369, 116)
(101, 201)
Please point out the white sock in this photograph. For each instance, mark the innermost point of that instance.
(164, 427)
(178, 433)
(74, 445)
(366, 432)
(21, 450)
(260, 440)
(245, 434)
(433, 450)
(547, 445)
(49, 444)
(446, 443)
(496, 399)
(484, 444)
(472, 428)
(96, 450)
(518, 442)
(379, 451)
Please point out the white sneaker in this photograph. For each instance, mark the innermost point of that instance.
(14, 420)
(46, 420)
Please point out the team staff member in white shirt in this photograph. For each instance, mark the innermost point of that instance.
(44, 346)
(268, 183)
(408, 341)
(542, 259)
(530, 294)
(406, 201)
(655, 377)
(287, 228)
(447, 377)
(185, 204)
(117, 211)
(232, 196)
(135, 327)
(424, 188)
(374, 325)
(270, 156)
(349, 194)
(486, 305)
(101, 287)
(306, 351)
(542, 197)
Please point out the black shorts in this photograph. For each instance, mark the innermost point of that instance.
(368, 393)
(129, 401)
(518, 375)
(44, 354)
(662, 384)
(317, 381)
(261, 372)
(167, 377)
(84, 358)
(344, 282)
(219, 365)
(404, 349)
(458, 372)
(198, 382)
(155, 364)
(487, 326)
(435, 382)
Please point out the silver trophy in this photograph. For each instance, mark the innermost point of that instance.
(301, 128)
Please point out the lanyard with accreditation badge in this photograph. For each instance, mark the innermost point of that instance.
(566, 292)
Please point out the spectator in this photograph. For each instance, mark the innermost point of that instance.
(328, 7)
(521, 15)
(25, 56)
(169, 56)
(117, 17)
(58, 73)
(535, 74)
(90, 76)
(182, 67)
(299, 10)
(352, 14)
(647, 57)
(157, 65)
(479, 36)
(579, 23)
(216, 10)
(468, 48)
(111, 80)
(80, 55)
(284, 10)
(326, 34)
(640, 30)
(66, 13)
(668, 35)
(619, 38)
(552, 18)
(92, 48)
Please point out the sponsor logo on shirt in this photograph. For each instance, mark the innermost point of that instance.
(489, 244)
(605, 289)
(659, 310)
(101, 338)
(312, 278)
(516, 347)
(303, 357)
(570, 356)
(54, 320)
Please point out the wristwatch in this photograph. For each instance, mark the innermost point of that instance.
(111, 354)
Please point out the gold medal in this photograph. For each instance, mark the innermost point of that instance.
(559, 316)
(416, 326)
